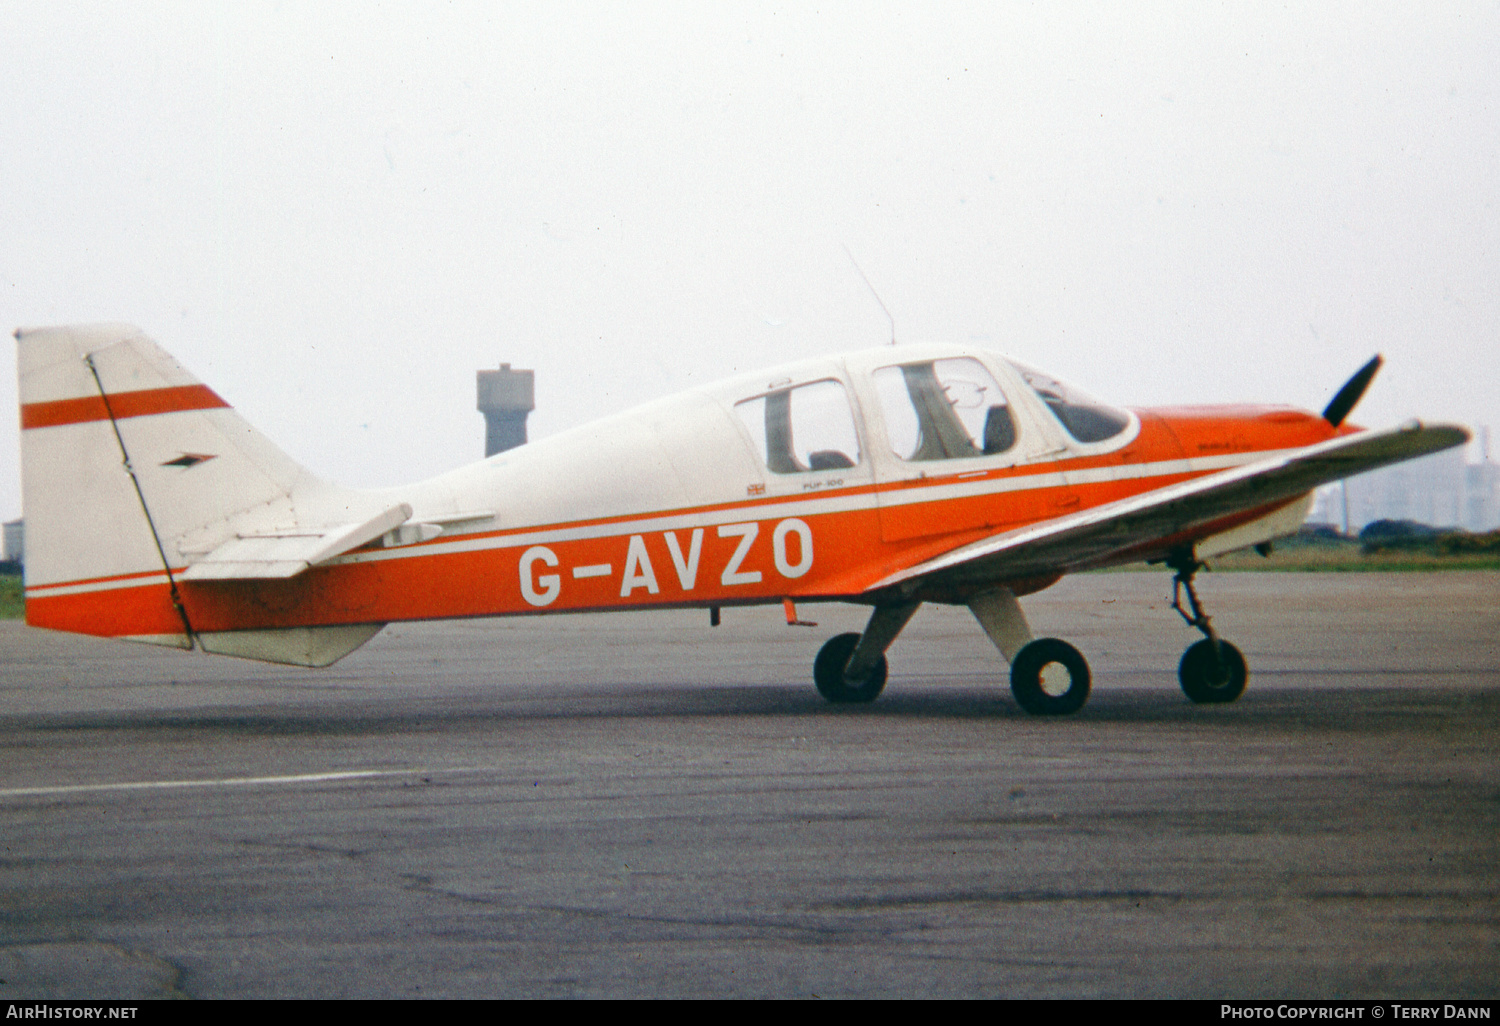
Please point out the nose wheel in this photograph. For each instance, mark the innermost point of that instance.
(1212, 671)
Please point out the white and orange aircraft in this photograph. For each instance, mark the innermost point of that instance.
(888, 478)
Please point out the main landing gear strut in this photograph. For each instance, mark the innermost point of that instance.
(1048, 677)
(851, 667)
(1212, 671)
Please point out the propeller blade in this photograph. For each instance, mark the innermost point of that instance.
(1351, 393)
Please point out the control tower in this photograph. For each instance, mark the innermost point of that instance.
(505, 398)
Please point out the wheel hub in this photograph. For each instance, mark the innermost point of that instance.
(1056, 679)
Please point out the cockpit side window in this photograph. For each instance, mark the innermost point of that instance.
(1085, 418)
(802, 429)
(944, 410)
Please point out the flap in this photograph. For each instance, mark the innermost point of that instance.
(274, 554)
(1152, 524)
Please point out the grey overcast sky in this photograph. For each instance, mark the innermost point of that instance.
(334, 213)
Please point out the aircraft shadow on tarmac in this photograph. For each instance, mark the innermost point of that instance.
(1324, 708)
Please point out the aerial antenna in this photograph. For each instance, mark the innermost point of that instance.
(866, 280)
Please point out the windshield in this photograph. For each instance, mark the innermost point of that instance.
(1084, 417)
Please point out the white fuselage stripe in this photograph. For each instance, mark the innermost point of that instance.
(811, 506)
(801, 506)
(53, 590)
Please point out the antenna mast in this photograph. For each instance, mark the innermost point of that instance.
(866, 280)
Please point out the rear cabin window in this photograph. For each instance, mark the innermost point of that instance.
(1084, 417)
(944, 410)
(802, 429)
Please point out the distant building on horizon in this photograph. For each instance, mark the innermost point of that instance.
(15, 541)
(1440, 490)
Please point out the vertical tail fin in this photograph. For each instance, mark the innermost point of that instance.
(131, 467)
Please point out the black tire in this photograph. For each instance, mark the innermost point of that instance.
(1033, 664)
(1210, 679)
(828, 673)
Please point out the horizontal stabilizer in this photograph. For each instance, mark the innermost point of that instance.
(281, 554)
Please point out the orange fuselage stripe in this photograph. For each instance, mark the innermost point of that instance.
(141, 403)
(848, 556)
(852, 549)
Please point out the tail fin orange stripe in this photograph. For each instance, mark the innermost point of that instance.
(140, 403)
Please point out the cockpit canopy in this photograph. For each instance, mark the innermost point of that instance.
(802, 428)
(943, 408)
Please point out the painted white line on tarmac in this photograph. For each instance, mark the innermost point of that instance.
(162, 785)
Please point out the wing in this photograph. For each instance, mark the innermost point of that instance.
(1153, 524)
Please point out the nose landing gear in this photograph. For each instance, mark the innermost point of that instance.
(1212, 671)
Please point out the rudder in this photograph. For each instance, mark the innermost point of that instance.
(130, 469)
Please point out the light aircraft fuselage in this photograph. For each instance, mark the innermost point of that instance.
(887, 477)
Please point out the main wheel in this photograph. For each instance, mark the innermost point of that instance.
(828, 673)
(1050, 678)
(1211, 678)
